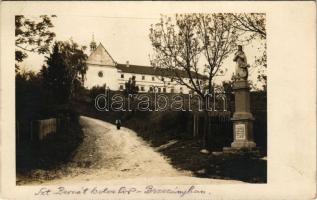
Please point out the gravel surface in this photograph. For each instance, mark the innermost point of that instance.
(108, 154)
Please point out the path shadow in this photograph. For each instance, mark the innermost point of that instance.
(245, 167)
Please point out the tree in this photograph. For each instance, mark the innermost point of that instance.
(253, 23)
(183, 42)
(32, 36)
(219, 38)
(75, 59)
(65, 69)
(131, 87)
(55, 75)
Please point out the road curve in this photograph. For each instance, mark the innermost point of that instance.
(117, 156)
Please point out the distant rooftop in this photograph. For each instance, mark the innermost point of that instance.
(100, 56)
(149, 70)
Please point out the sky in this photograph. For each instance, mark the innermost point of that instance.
(124, 36)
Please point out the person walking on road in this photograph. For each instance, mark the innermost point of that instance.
(118, 123)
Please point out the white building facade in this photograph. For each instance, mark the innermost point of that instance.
(104, 71)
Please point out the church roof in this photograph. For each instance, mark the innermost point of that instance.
(147, 70)
(100, 56)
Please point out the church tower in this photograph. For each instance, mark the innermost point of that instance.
(93, 44)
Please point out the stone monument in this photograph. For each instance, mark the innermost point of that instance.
(242, 117)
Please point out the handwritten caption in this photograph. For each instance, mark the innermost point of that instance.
(123, 190)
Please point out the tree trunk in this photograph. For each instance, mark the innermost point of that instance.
(205, 129)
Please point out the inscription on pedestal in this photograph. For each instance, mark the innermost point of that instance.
(240, 131)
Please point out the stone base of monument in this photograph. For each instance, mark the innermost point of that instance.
(243, 145)
(242, 119)
(254, 151)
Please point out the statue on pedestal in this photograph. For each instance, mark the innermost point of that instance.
(242, 117)
(241, 65)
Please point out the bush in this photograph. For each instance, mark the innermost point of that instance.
(96, 90)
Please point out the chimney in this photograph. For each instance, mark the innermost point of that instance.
(128, 65)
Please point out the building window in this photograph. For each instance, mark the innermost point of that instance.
(152, 78)
(162, 79)
(100, 74)
(181, 90)
(142, 88)
(172, 90)
(159, 89)
(122, 75)
(121, 87)
(164, 89)
(150, 89)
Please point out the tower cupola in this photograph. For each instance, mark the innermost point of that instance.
(93, 44)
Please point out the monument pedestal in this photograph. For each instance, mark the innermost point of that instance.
(243, 132)
(242, 117)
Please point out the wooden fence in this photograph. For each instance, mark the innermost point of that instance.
(37, 130)
(44, 128)
(218, 128)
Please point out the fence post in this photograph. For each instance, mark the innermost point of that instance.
(197, 125)
(31, 130)
(194, 126)
(17, 132)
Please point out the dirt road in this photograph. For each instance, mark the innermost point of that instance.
(110, 154)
